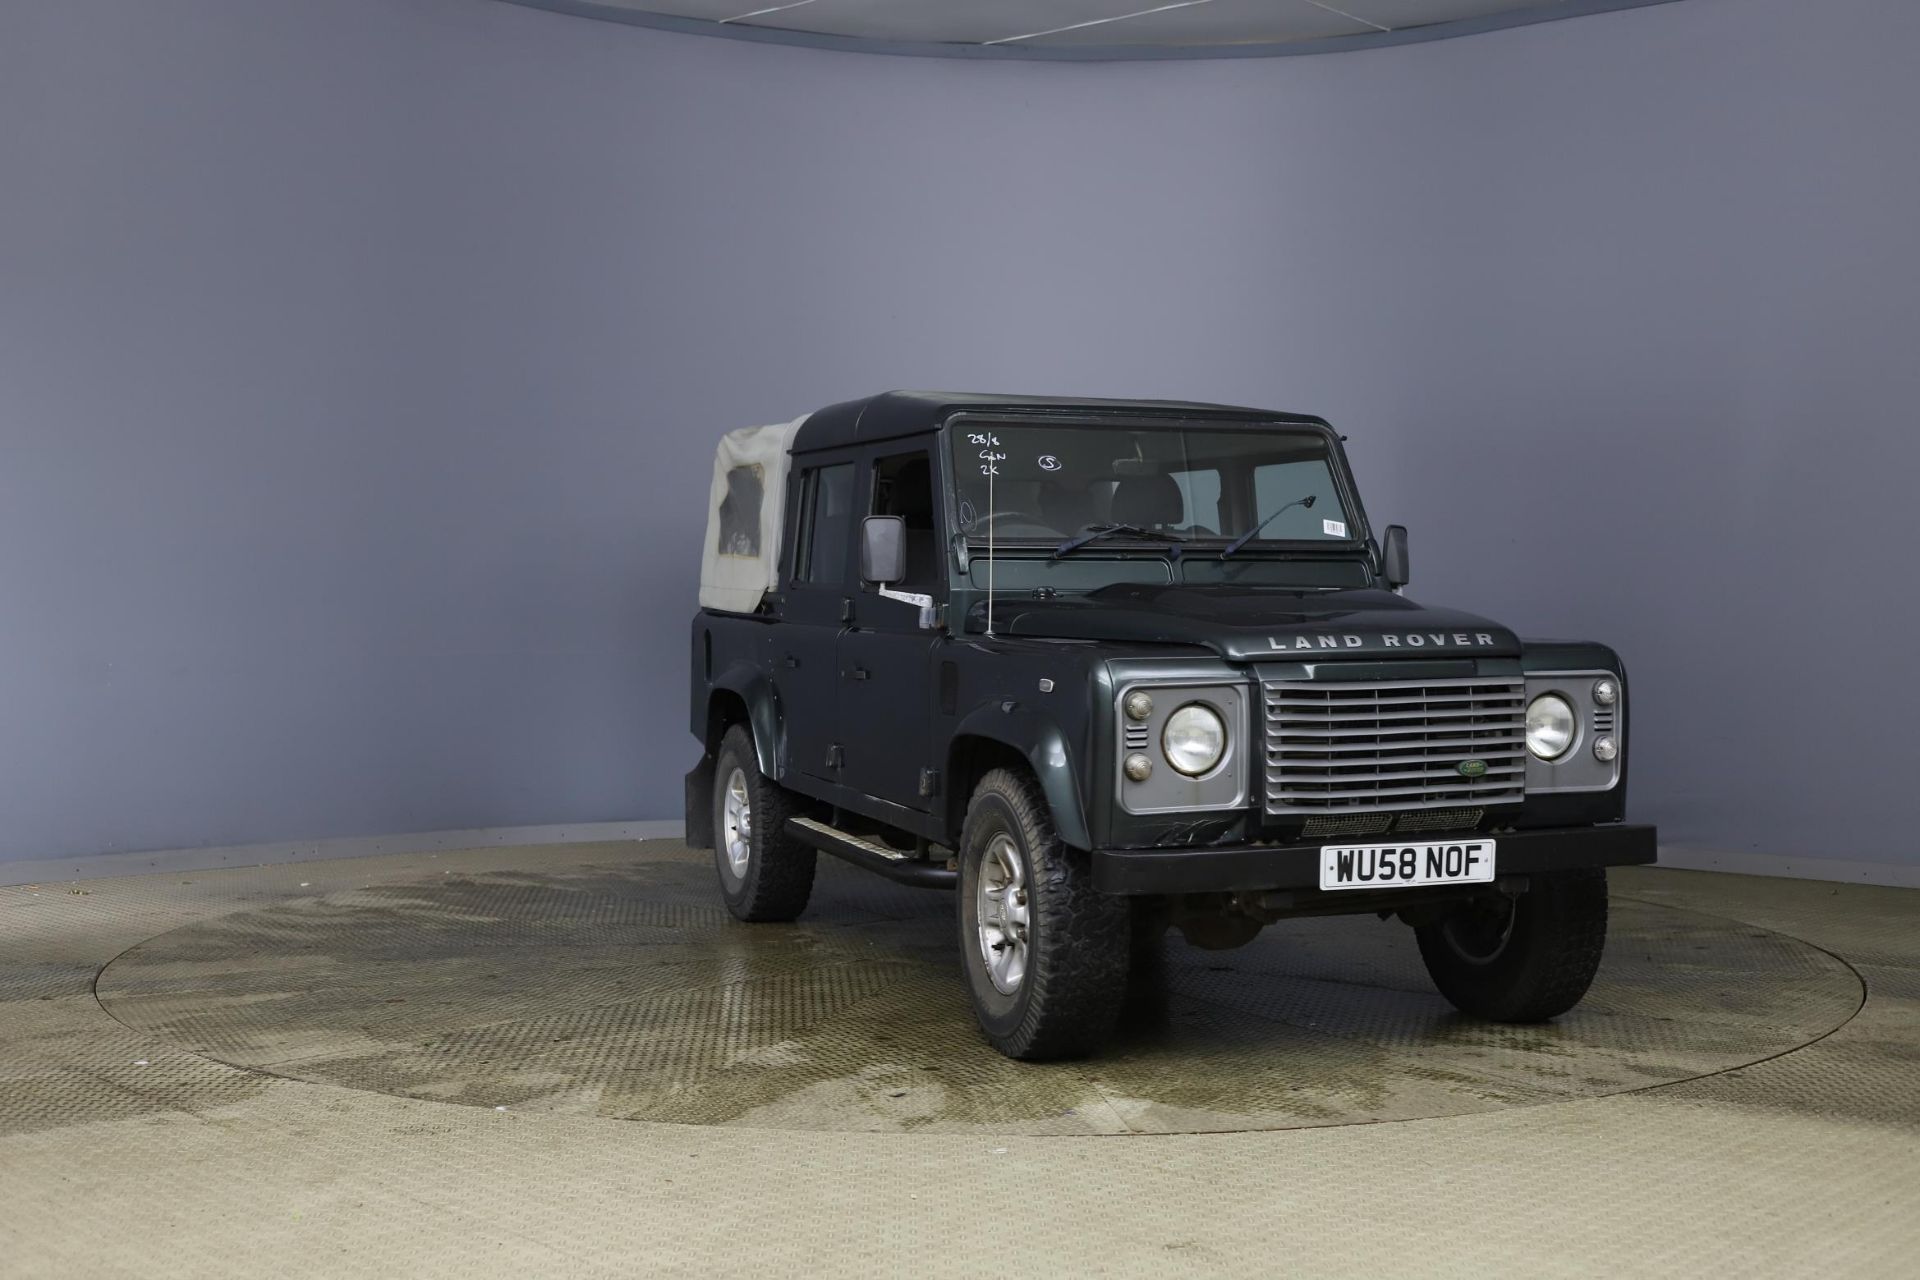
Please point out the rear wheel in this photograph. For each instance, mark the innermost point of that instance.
(1045, 953)
(1521, 959)
(765, 874)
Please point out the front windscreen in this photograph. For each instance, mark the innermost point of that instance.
(1048, 483)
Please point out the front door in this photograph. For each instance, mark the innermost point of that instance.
(820, 589)
(886, 658)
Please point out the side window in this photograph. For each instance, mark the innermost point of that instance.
(826, 524)
(1200, 492)
(903, 486)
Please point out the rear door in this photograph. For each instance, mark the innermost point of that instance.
(818, 605)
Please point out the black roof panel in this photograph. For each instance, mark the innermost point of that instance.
(899, 413)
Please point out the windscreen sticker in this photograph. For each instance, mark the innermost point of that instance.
(1334, 528)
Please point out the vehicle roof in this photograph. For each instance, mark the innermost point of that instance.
(900, 413)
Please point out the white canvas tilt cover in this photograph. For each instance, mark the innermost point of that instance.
(740, 561)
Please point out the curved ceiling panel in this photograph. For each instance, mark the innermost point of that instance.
(1085, 29)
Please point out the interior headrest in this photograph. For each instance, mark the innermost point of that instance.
(1147, 500)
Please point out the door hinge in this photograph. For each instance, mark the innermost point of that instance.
(929, 782)
(836, 756)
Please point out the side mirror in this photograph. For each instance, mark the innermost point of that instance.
(1393, 557)
(883, 549)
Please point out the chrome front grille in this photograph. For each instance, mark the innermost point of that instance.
(1371, 746)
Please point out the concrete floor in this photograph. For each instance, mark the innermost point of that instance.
(566, 1060)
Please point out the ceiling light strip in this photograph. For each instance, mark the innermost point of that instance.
(1350, 17)
(622, 12)
(1098, 22)
(757, 13)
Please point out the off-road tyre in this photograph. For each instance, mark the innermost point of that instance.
(778, 877)
(1542, 965)
(1078, 939)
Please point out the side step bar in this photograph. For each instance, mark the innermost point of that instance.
(872, 855)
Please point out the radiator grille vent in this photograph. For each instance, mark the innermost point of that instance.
(1360, 824)
(1441, 820)
(1370, 746)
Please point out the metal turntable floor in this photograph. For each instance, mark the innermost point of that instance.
(251, 1071)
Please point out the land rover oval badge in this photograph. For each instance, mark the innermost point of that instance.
(1472, 768)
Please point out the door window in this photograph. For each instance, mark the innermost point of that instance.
(826, 524)
(903, 486)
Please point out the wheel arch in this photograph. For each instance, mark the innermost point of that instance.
(990, 738)
(742, 694)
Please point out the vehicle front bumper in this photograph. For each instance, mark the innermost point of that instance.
(1233, 868)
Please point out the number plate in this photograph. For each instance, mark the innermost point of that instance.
(1391, 866)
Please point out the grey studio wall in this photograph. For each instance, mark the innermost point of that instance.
(360, 363)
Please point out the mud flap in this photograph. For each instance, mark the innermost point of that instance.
(700, 805)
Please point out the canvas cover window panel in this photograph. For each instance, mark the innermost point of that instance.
(740, 511)
(740, 561)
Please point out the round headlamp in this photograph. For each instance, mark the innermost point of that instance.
(1194, 740)
(1550, 726)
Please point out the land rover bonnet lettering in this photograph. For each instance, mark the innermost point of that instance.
(1406, 640)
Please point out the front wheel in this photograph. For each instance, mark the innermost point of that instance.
(1521, 959)
(1045, 953)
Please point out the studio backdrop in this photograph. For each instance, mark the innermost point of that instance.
(362, 362)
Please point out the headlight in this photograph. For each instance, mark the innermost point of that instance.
(1194, 740)
(1550, 726)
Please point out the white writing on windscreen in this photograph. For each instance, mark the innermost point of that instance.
(990, 456)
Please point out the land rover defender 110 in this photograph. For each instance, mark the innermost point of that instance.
(1109, 668)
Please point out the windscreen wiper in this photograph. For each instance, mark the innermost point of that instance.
(1254, 532)
(1095, 532)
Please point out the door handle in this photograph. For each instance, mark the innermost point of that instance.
(860, 673)
(791, 661)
